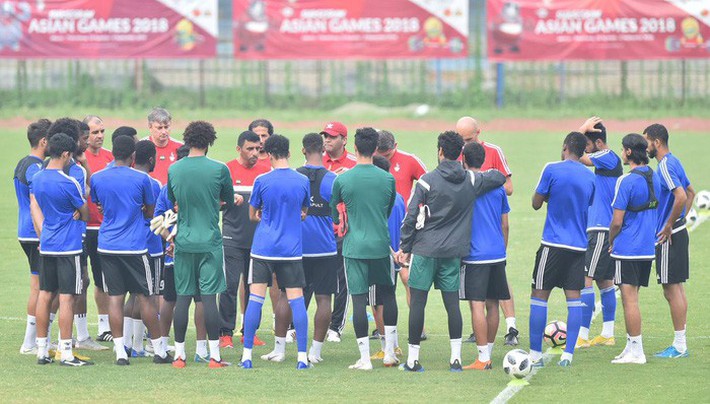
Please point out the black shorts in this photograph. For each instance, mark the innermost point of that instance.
(31, 249)
(598, 264)
(289, 274)
(321, 274)
(558, 267)
(91, 243)
(632, 272)
(672, 260)
(61, 273)
(167, 284)
(127, 273)
(156, 272)
(481, 282)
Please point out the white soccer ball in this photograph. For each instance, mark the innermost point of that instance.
(421, 110)
(517, 364)
(702, 200)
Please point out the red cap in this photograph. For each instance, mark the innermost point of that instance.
(335, 129)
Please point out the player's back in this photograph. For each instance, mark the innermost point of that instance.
(638, 236)
(487, 241)
(607, 170)
(26, 168)
(669, 175)
(58, 196)
(317, 229)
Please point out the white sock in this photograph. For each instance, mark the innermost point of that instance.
(30, 332)
(483, 354)
(455, 350)
(679, 341)
(280, 345)
(363, 345)
(412, 355)
(119, 348)
(49, 327)
(510, 323)
(583, 333)
(201, 348)
(165, 341)
(535, 355)
(158, 348)
(390, 338)
(82, 328)
(104, 325)
(490, 348)
(383, 343)
(42, 347)
(180, 350)
(566, 355)
(303, 357)
(214, 350)
(396, 338)
(128, 331)
(608, 329)
(636, 345)
(246, 354)
(65, 349)
(138, 332)
(316, 348)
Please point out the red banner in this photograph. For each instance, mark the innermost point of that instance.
(108, 28)
(598, 29)
(336, 29)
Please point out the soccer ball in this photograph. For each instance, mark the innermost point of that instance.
(692, 217)
(517, 364)
(556, 334)
(702, 200)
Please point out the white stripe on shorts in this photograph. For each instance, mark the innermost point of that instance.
(148, 277)
(462, 282)
(596, 255)
(617, 273)
(541, 268)
(77, 270)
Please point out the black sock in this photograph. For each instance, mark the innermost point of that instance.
(416, 315)
(360, 315)
(181, 317)
(209, 303)
(389, 304)
(451, 303)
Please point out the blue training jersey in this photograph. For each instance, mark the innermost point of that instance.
(58, 196)
(280, 194)
(487, 241)
(78, 172)
(162, 205)
(636, 240)
(669, 175)
(569, 188)
(24, 171)
(608, 169)
(394, 223)
(122, 191)
(318, 236)
(155, 242)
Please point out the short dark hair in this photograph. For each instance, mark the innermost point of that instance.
(637, 144)
(124, 131)
(277, 146)
(247, 136)
(313, 143)
(657, 132)
(385, 142)
(200, 135)
(593, 136)
(123, 147)
(264, 123)
(60, 143)
(381, 162)
(451, 144)
(145, 149)
(84, 126)
(68, 126)
(576, 143)
(474, 154)
(366, 141)
(183, 151)
(37, 131)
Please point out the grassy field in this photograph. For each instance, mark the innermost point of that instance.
(592, 378)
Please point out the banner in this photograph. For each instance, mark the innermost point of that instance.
(108, 28)
(337, 29)
(598, 29)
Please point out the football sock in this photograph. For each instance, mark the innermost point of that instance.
(455, 350)
(42, 347)
(608, 297)
(251, 321)
(158, 347)
(201, 348)
(383, 343)
(636, 345)
(300, 323)
(566, 356)
(30, 332)
(165, 341)
(490, 348)
(538, 320)
(246, 354)
(483, 354)
(360, 315)
(119, 348)
(679, 341)
(316, 348)
(303, 357)
(180, 350)
(103, 324)
(128, 331)
(363, 344)
(65, 349)
(396, 338)
(280, 345)
(453, 311)
(214, 350)
(181, 318)
(412, 355)
(49, 327)
(212, 319)
(416, 315)
(138, 333)
(535, 355)
(82, 328)
(574, 320)
(510, 323)
(587, 311)
(390, 336)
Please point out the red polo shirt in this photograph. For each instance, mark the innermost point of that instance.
(347, 161)
(406, 168)
(494, 159)
(164, 158)
(97, 162)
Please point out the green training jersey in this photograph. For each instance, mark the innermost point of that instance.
(198, 185)
(369, 194)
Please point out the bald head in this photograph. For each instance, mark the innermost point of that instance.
(468, 128)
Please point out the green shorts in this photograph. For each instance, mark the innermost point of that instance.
(203, 269)
(444, 273)
(362, 273)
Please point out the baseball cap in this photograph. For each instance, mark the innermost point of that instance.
(335, 129)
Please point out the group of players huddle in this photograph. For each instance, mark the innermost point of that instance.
(147, 216)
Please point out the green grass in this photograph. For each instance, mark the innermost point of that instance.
(592, 378)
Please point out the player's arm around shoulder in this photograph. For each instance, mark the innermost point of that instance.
(487, 181)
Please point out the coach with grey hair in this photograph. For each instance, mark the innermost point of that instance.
(159, 121)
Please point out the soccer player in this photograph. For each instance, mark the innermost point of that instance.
(197, 184)
(568, 188)
(484, 281)
(369, 195)
(470, 130)
(126, 197)
(59, 199)
(438, 217)
(238, 234)
(159, 120)
(337, 159)
(98, 158)
(279, 202)
(263, 128)
(598, 266)
(26, 168)
(675, 197)
(632, 240)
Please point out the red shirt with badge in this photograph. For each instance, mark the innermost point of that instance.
(164, 158)
(494, 159)
(97, 162)
(406, 168)
(346, 161)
